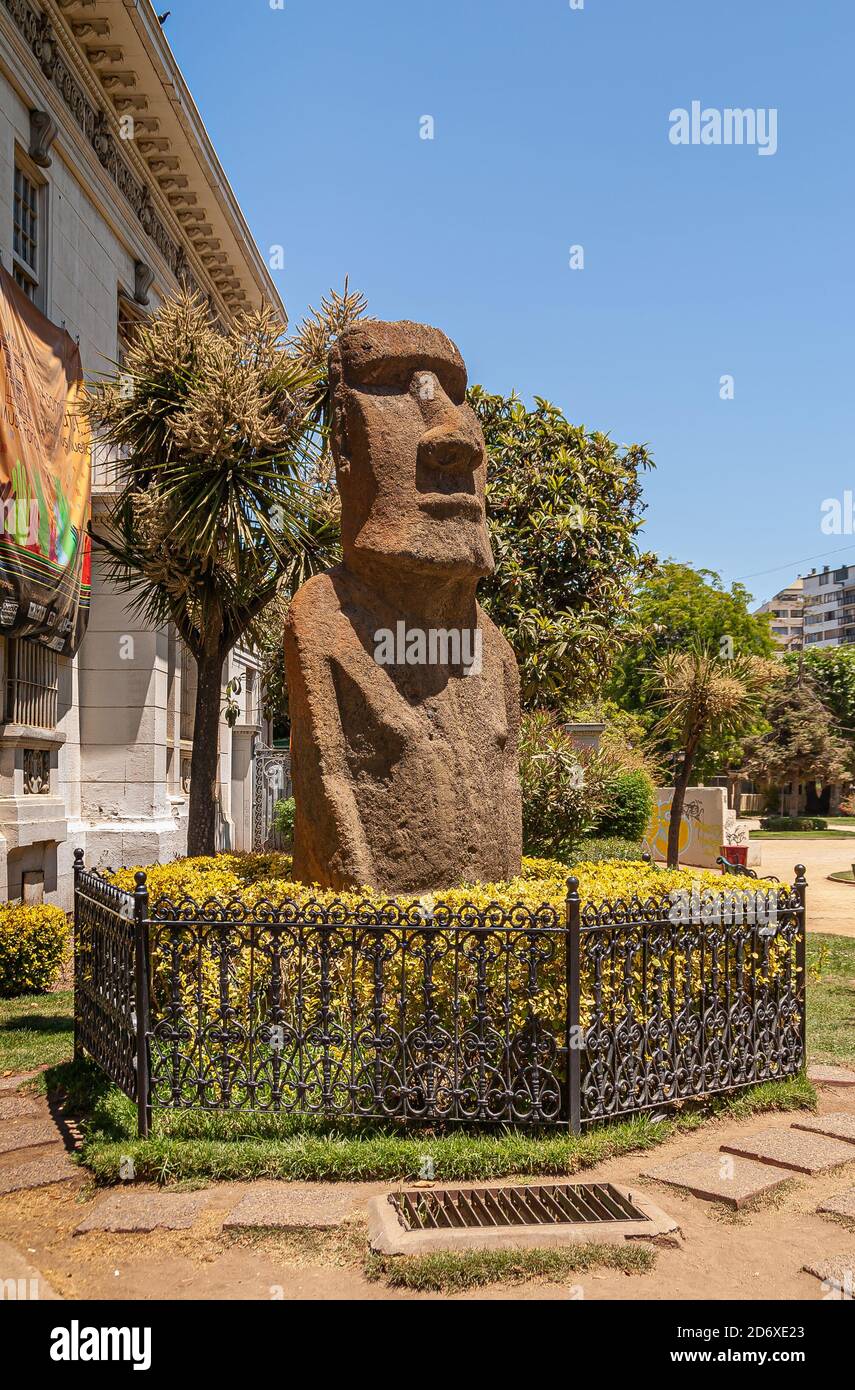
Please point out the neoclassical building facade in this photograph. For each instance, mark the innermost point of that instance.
(111, 195)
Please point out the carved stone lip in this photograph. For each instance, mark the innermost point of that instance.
(443, 505)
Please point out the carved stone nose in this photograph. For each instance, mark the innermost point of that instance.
(451, 445)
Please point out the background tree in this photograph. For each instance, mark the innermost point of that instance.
(679, 608)
(699, 697)
(564, 509)
(801, 741)
(831, 673)
(219, 436)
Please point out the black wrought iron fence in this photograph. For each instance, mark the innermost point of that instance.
(482, 1016)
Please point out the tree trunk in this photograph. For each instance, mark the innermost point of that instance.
(681, 782)
(204, 765)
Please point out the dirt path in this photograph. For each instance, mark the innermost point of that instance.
(831, 906)
(726, 1256)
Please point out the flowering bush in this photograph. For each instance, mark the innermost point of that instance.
(33, 944)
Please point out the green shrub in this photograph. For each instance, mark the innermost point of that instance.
(793, 823)
(563, 786)
(283, 820)
(33, 944)
(629, 806)
(605, 851)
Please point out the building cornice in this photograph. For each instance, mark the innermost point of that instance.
(71, 42)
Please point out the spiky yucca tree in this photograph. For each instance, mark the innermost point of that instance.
(701, 695)
(219, 436)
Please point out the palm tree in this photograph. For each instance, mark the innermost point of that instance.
(701, 695)
(219, 436)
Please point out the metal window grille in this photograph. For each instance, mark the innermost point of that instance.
(26, 233)
(188, 694)
(31, 686)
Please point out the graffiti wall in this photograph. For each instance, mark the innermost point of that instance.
(705, 825)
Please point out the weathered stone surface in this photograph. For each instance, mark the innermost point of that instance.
(404, 695)
(843, 1204)
(28, 1136)
(840, 1125)
(823, 1075)
(290, 1206)
(12, 1107)
(720, 1177)
(21, 1281)
(793, 1148)
(837, 1271)
(39, 1172)
(144, 1211)
(11, 1083)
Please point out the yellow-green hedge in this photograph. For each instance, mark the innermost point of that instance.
(33, 945)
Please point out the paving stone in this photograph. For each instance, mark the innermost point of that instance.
(831, 1076)
(793, 1148)
(288, 1206)
(21, 1281)
(841, 1205)
(837, 1271)
(28, 1136)
(11, 1107)
(37, 1173)
(11, 1083)
(840, 1125)
(144, 1211)
(720, 1177)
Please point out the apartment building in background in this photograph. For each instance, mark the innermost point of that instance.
(829, 607)
(786, 610)
(111, 196)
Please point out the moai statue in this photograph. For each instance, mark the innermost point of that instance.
(404, 695)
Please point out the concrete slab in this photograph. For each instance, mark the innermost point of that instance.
(720, 1177)
(840, 1125)
(793, 1148)
(291, 1206)
(387, 1236)
(843, 1204)
(40, 1172)
(11, 1082)
(13, 1107)
(20, 1281)
(837, 1272)
(824, 1075)
(144, 1211)
(28, 1136)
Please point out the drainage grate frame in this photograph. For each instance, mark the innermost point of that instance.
(551, 1204)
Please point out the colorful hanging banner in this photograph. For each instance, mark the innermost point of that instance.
(45, 562)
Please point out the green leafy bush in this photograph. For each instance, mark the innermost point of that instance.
(629, 806)
(606, 851)
(793, 823)
(33, 945)
(283, 820)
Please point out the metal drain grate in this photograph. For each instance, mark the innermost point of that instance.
(552, 1205)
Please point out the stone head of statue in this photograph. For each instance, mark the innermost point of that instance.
(409, 454)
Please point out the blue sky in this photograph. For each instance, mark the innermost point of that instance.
(552, 130)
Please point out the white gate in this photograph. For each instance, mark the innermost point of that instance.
(271, 782)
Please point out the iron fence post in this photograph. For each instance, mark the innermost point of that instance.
(573, 1039)
(143, 1011)
(78, 870)
(800, 887)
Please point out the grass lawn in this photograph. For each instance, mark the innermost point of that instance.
(802, 834)
(831, 997)
(36, 1030)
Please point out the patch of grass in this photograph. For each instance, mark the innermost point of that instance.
(831, 997)
(36, 1030)
(802, 835)
(244, 1147)
(449, 1273)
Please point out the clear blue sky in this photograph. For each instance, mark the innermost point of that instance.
(551, 129)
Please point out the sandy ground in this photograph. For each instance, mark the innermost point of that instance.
(721, 1256)
(831, 906)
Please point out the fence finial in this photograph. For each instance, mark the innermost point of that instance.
(78, 859)
(800, 873)
(572, 886)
